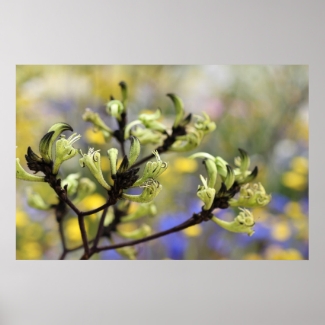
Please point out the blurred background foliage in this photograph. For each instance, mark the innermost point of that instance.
(262, 109)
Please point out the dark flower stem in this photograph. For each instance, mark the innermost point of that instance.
(204, 215)
(64, 245)
(62, 193)
(188, 223)
(83, 234)
(100, 227)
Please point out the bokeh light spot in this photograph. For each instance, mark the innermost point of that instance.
(294, 180)
(185, 165)
(281, 231)
(193, 231)
(94, 137)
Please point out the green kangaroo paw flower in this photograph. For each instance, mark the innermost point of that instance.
(124, 91)
(204, 123)
(112, 156)
(96, 120)
(211, 171)
(243, 223)
(64, 150)
(45, 146)
(146, 118)
(149, 121)
(151, 190)
(127, 131)
(251, 176)
(152, 170)
(134, 150)
(230, 179)
(246, 177)
(251, 197)
(186, 120)
(115, 108)
(92, 161)
(22, 174)
(243, 161)
(187, 142)
(221, 167)
(147, 136)
(206, 194)
(179, 108)
(58, 128)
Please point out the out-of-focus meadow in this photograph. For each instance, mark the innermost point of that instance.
(261, 109)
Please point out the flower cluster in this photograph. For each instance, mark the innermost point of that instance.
(126, 176)
(224, 186)
(148, 128)
(46, 162)
(221, 194)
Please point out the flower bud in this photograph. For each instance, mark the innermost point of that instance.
(211, 171)
(92, 161)
(221, 167)
(247, 176)
(151, 190)
(147, 136)
(149, 121)
(251, 197)
(204, 123)
(206, 194)
(243, 161)
(45, 146)
(230, 178)
(127, 131)
(152, 170)
(134, 150)
(64, 150)
(243, 223)
(115, 108)
(188, 141)
(124, 91)
(112, 156)
(179, 108)
(99, 124)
